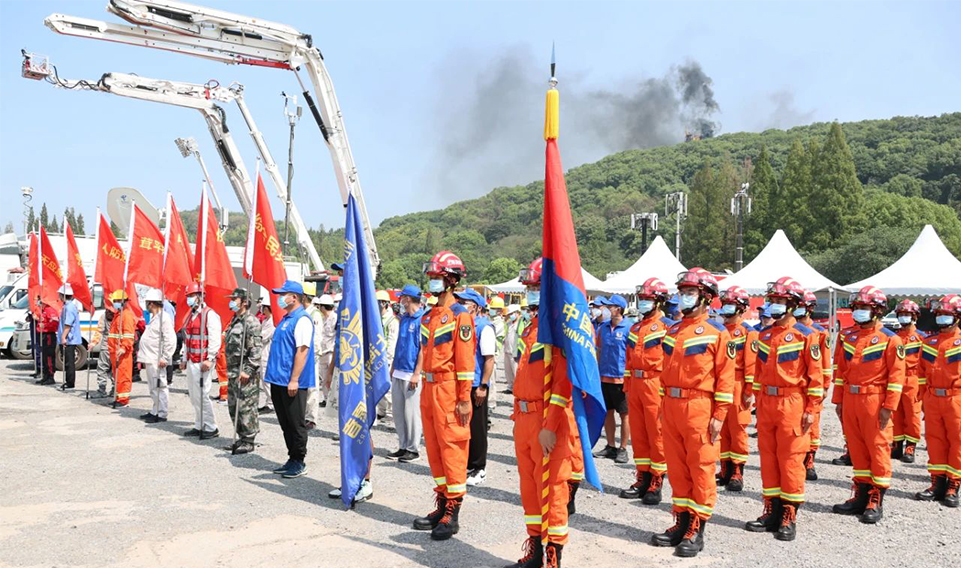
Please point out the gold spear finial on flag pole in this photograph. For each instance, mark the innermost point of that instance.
(552, 111)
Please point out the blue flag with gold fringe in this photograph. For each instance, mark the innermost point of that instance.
(360, 354)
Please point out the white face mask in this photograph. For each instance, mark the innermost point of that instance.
(435, 285)
(645, 306)
(800, 312)
(777, 310)
(728, 310)
(688, 302)
(905, 320)
(192, 301)
(861, 316)
(533, 297)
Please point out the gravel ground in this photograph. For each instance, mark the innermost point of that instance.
(85, 485)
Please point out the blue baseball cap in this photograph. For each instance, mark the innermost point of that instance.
(411, 291)
(337, 267)
(472, 296)
(617, 300)
(602, 301)
(673, 300)
(765, 310)
(290, 286)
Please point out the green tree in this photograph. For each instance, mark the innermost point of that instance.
(903, 184)
(116, 230)
(790, 210)
(31, 220)
(501, 270)
(864, 254)
(8, 228)
(764, 191)
(708, 230)
(80, 230)
(837, 199)
(54, 226)
(44, 217)
(392, 275)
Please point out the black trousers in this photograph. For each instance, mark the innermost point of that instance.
(477, 453)
(48, 354)
(291, 413)
(69, 364)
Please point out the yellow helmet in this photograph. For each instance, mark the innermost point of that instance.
(310, 288)
(496, 303)
(523, 302)
(382, 296)
(432, 301)
(118, 295)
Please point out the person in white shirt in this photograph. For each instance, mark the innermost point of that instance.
(314, 394)
(266, 335)
(510, 347)
(157, 345)
(391, 324)
(202, 344)
(324, 342)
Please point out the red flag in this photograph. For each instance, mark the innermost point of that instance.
(51, 279)
(178, 262)
(111, 261)
(76, 276)
(211, 263)
(263, 258)
(145, 259)
(33, 276)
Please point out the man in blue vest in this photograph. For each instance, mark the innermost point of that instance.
(611, 359)
(290, 373)
(405, 377)
(483, 369)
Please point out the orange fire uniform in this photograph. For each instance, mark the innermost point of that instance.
(531, 393)
(123, 330)
(447, 348)
(698, 382)
(827, 370)
(907, 419)
(734, 446)
(870, 377)
(645, 362)
(788, 382)
(941, 391)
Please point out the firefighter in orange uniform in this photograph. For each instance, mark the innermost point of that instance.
(789, 384)
(539, 433)
(907, 419)
(645, 362)
(123, 330)
(941, 392)
(845, 457)
(698, 382)
(447, 360)
(804, 313)
(734, 446)
(871, 373)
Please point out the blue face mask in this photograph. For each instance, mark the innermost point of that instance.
(282, 302)
(533, 297)
(800, 312)
(191, 301)
(905, 320)
(645, 306)
(436, 285)
(234, 305)
(117, 305)
(777, 310)
(687, 303)
(861, 316)
(944, 320)
(728, 310)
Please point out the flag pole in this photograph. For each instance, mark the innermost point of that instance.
(202, 235)
(92, 309)
(39, 327)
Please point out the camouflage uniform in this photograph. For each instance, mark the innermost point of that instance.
(243, 329)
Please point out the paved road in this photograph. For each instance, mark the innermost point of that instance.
(85, 485)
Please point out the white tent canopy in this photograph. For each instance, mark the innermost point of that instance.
(515, 287)
(656, 261)
(927, 269)
(779, 258)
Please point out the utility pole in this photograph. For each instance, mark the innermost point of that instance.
(676, 203)
(292, 112)
(740, 207)
(27, 193)
(644, 221)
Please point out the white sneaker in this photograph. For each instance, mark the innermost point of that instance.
(476, 477)
(334, 493)
(365, 492)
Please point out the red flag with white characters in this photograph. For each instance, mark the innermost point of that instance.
(178, 262)
(145, 259)
(211, 263)
(76, 276)
(263, 257)
(51, 279)
(111, 263)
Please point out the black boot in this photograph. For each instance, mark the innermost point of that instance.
(673, 535)
(724, 475)
(939, 486)
(448, 526)
(769, 519)
(897, 450)
(553, 555)
(430, 521)
(653, 495)
(810, 474)
(693, 541)
(909, 448)
(875, 507)
(951, 495)
(573, 486)
(736, 482)
(638, 488)
(856, 504)
(844, 459)
(533, 554)
(788, 525)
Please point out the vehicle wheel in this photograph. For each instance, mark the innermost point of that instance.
(18, 355)
(81, 358)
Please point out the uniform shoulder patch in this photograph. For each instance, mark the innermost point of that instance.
(466, 332)
(887, 332)
(717, 326)
(900, 351)
(731, 350)
(668, 322)
(754, 345)
(675, 328)
(816, 351)
(805, 330)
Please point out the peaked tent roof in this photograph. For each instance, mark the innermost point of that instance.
(515, 286)
(657, 261)
(779, 258)
(927, 269)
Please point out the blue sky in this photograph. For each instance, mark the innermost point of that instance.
(444, 100)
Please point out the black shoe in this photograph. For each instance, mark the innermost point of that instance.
(396, 455)
(951, 495)
(264, 409)
(693, 541)
(430, 521)
(787, 530)
(153, 419)
(46, 382)
(207, 435)
(844, 459)
(192, 432)
(621, 456)
(875, 506)
(724, 475)
(638, 488)
(136, 378)
(409, 457)
(736, 482)
(448, 526)
(66, 387)
(856, 504)
(242, 447)
(653, 494)
(909, 450)
(508, 391)
(897, 450)
(552, 556)
(283, 469)
(572, 487)
(297, 469)
(810, 474)
(673, 535)
(323, 404)
(939, 486)
(769, 519)
(533, 554)
(609, 452)
(146, 416)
